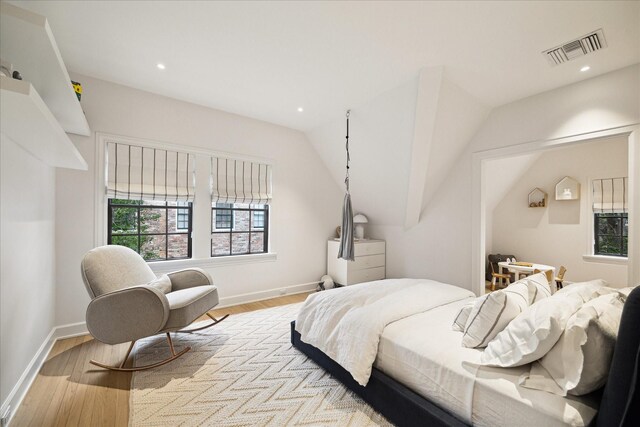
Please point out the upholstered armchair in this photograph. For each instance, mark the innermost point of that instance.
(128, 301)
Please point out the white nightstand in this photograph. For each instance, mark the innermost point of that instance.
(369, 262)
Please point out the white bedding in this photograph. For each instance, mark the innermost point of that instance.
(346, 323)
(425, 354)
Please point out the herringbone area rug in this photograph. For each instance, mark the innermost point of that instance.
(242, 372)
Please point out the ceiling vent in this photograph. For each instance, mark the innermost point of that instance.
(576, 48)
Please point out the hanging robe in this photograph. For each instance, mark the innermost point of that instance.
(346, 236)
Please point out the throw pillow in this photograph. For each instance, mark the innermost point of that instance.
(492, 314)
(460, 321)
(538, 287)
(533, 333)
(579, 362)
(162, 283)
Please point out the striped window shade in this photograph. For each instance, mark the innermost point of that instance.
(144, 173)
(610, 195)
(240, 181)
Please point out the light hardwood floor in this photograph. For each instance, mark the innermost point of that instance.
(69, 391)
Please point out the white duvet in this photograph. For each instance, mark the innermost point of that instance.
(346, 323)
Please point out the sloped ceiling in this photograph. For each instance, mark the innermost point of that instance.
(387, 146)
(381, 133)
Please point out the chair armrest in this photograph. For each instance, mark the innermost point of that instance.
(188, 278)
(127, 314)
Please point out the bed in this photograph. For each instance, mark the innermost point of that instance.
(421, 374)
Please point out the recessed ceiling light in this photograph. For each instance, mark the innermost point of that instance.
(161, 66)
(300, 109)
(585, 68)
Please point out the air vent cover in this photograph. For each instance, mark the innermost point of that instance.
(576, 48)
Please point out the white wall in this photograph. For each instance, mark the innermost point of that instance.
(380, 138)
(440, 245)
(560, 233)
(27, 286)
(500, 176)
(305, 210)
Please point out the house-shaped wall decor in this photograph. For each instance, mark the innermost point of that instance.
(537, 198)
(567, 189)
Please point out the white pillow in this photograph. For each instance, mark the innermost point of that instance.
(460, 321)
(533, 333)
(586, 289)
(162, 283)
(579, 362)
(492, 314)
(538, 287)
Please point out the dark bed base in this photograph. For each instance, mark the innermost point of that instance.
(396, 402)
(619, 407)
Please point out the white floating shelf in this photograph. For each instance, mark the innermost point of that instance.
(537, 198)
(28, 122)
(27, 42)
(567, 189)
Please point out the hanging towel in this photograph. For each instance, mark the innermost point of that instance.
(346, 239)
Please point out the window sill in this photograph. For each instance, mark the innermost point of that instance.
(606, 259)
(169, 266)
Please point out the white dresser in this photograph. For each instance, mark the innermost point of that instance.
(369, 262)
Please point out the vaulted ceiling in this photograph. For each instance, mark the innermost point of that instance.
(266, 59)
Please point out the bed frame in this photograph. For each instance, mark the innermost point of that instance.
(619, 406)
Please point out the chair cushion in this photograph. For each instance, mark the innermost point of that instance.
(187, 305)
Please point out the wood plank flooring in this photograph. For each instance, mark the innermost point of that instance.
(69, 391)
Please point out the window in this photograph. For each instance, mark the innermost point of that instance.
(151, 228)
(258, 219)
(610, 218)
(239, 229)
(182, 218)
(224, 216)
(611, 231)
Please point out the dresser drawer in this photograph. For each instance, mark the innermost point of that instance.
(367, 275)
(368, 248)
(366, 261)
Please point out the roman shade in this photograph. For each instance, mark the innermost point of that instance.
(240, 181)
(610, 195)
(144, 173)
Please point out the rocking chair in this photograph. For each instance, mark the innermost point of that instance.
(128, 301)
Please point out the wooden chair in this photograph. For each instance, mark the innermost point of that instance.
(495, 276)
(560, 277)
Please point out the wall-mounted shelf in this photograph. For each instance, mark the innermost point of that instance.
(28, 122)
(537, 198)
(27, 42)
(567, 189)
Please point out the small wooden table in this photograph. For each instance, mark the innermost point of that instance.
(519, 269)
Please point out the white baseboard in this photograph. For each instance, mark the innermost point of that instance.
(268, 294)
(19, 391)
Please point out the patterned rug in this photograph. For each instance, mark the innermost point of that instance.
(243, 372)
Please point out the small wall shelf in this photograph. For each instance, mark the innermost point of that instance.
(28, 122)
(26, 41)
(567, 189)
(537, 198)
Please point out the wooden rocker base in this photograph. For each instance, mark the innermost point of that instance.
(121, 368)
(173, 357)
(215, 322)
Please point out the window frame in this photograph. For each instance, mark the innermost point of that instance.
(233, 231)
(139, 206)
